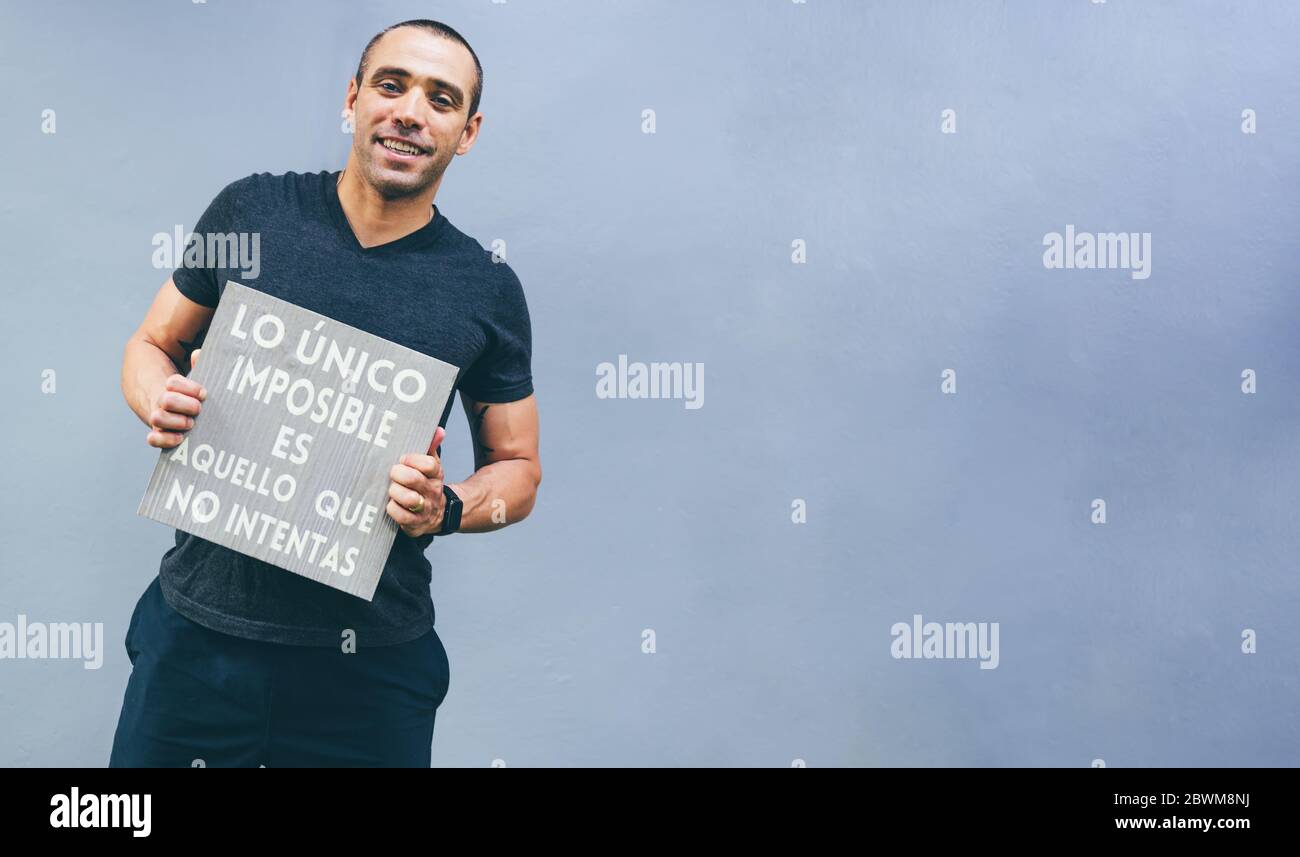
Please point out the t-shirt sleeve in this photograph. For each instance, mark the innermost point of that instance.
(503, 372)
(201, 281)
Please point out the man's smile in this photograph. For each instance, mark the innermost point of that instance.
(400, 149)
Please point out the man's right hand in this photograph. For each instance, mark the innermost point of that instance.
(175, 408)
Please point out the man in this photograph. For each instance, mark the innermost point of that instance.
(238, 662)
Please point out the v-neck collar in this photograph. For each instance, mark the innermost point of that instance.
(426, 236)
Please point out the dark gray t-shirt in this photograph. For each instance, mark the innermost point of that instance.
(435, 290)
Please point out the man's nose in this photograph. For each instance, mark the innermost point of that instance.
(409, 107)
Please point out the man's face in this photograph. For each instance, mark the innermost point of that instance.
(415, 90)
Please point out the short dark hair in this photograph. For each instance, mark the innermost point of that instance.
(440, 29)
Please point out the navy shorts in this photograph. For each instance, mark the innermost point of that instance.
(199, 697)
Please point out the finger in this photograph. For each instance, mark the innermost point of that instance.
(404, 517)
(403, 474)
(194, 357)
(437, 440)
(428, 465)
(186, 386)
(164, 439)
(406, 497)
(161, 419)
(179, 403)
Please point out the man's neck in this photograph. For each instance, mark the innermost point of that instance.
(377, 220)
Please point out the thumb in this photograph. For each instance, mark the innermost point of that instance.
(437, 439)
(194, 357)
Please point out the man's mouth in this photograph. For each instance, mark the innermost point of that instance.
(401, 149)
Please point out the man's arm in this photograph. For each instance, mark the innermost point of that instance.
(162, 343)
(507, 465)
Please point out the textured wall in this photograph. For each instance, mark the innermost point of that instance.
(923, 252)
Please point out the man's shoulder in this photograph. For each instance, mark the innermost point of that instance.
(488, 265)
(267, 184)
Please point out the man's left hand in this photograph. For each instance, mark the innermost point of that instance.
(416, 484)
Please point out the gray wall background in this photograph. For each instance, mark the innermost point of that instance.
(775, 121)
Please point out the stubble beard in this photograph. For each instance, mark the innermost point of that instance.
(392, 184)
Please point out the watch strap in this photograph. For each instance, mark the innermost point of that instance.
(450, 511)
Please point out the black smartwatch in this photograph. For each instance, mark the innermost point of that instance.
(450, 512)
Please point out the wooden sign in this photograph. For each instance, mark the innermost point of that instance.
(288, 459)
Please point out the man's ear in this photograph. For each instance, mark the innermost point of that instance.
(350, 100)
(469, 134)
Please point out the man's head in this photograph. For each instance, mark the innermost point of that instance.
(418, 83)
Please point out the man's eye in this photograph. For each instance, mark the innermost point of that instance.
(389, 84)
(444, 101)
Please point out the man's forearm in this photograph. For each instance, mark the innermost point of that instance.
(497, 495)
(145, 370)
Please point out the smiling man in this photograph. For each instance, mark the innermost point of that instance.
(237, 662)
